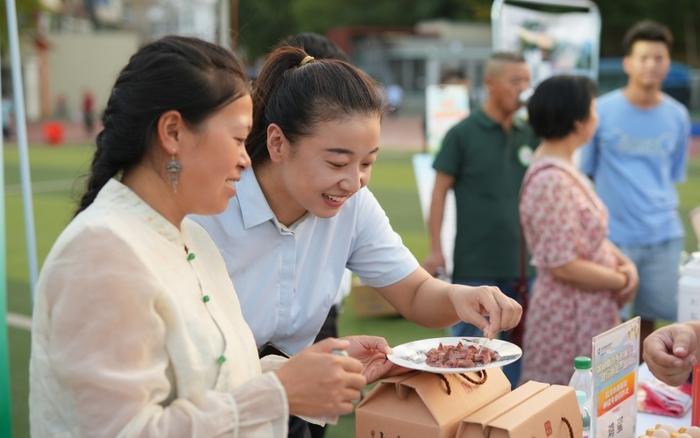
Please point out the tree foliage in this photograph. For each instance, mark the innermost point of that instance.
(681, 16)
(264, 22)
(26, 10)
(320, 16)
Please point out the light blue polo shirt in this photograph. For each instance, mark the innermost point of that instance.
(287, 278)
(635, 159)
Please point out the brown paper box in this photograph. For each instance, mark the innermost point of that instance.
(540, 416)
(367, 302)
(417, 405)
(475, 425)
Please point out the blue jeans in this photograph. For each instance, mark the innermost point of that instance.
(657, 264)
(507, 286)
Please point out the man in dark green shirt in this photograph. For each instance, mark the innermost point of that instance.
(483, 158)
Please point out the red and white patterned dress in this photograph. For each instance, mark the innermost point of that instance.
(563, 220)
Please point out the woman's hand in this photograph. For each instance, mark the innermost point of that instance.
(627, 267)
(670, 353)
(628, 292)
(319, 383)
(372, 351)
(485, 307)
(434, 263)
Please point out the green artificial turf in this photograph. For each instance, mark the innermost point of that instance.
(54, 172)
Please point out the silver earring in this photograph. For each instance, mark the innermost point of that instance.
(174, 168)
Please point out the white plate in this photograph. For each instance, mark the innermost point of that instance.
(412, 354)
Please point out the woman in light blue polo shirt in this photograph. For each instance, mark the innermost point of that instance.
(303, 212)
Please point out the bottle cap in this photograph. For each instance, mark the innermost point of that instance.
(582, 363)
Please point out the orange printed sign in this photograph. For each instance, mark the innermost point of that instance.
(615, 363)
(615, 394)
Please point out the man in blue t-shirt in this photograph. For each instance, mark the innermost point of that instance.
(635, 159)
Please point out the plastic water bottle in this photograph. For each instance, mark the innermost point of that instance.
(689, 290)
(582, 380)
(581, 397)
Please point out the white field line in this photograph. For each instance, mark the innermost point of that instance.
(14, 319)
(55, 185)
(19, 321)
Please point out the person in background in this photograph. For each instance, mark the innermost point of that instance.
(88, 107)
(458, 77)
(61, 111)
(137, 329)
(636, 157)
(582, 278)
(671, 352)
(303, 212)
(483, 158)
(7, 116)
(394, 98)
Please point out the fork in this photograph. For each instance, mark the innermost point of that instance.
(482, 341)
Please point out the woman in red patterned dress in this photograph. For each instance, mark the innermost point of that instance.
(582, 278)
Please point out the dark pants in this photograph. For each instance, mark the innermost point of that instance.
(299, 428)
(512, 371)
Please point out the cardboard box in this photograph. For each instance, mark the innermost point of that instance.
(475, 425)
(367, 302)
(534, 410)
(417, 405)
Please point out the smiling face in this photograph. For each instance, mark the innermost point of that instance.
(320, 171)
(212, 156)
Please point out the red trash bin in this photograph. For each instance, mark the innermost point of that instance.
(53, 133)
